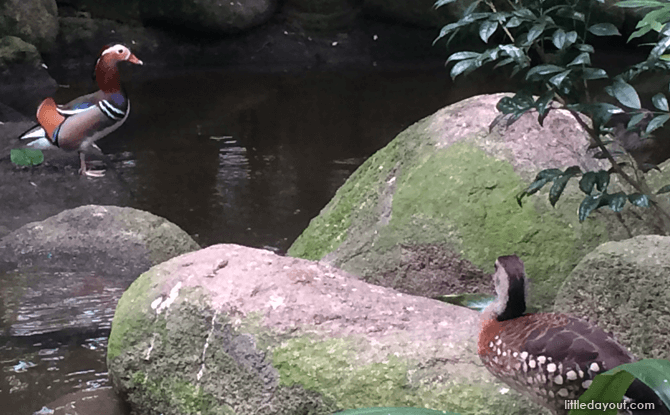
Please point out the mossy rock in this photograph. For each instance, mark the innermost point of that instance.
(448, 181)
(624, 287)
(14, 51)
(236, 330)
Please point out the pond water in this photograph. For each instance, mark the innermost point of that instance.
(233, 158)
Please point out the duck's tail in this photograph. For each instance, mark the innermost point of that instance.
(42, 136)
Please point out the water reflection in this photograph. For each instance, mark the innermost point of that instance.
(250, 159)
(35, 372)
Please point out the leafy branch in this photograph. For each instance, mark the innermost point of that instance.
(548, 43)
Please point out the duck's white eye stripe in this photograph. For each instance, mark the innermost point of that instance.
(116, 48)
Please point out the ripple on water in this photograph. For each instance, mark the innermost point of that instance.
(37, 371)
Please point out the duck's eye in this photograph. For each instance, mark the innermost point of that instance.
(120, 51)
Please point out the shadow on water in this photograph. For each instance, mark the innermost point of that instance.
(232, 158)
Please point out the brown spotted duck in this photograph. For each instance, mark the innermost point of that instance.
(550, 357)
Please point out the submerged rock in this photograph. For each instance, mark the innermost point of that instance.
(66, 273)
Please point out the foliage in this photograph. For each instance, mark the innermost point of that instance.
(26, 157)
(654, 20)
(593, 184)
(612, 385)
(550, 44)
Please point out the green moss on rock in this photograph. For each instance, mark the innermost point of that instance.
(15, 51)
(329, 366)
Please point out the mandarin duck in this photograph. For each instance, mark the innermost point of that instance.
(550, 357)
(78, 124)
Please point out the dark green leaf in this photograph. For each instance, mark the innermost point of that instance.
(660, 102)
(548, 174)
(506, 105)
(543, 101)
(572, 171)
(587, 182)
(535, 186)
(616, 201)
(660, 48)
(626, 94)
(604, 29)
(471, 8)
(635, 119)
(542, 70)
(594, 73)
(588, 205)
(534, 33)
(640, 32)
(601, 112)
(467, 65)
(556, 80)
(583, 47)
(571, 37)
(513, 22)
(559, 184)
(606, 387)
(486, 29)
(26, 156)
(581, 59)
(458, 56)
(657, 122)
(602, 180)
(559, 39)
(664, 189)
(652, 372)
(503, 62)
(440, 3)
(473, 17)
(524, 13)
(514, 53)
(640, 3)
(451, 27)
(639, 199)
(571, 14)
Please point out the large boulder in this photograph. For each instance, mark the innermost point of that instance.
(624, 287)
(66, 273)
(444, 191)
(35, 21)
(231, 329)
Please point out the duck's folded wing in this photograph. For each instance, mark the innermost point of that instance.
(80, 104)
(81, 130)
